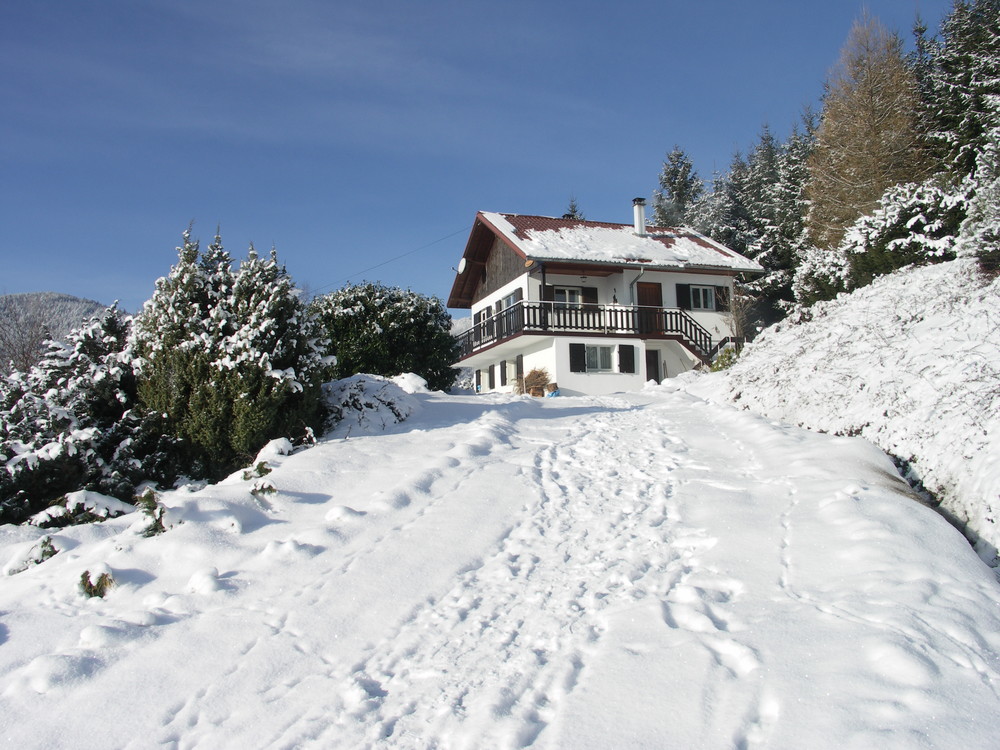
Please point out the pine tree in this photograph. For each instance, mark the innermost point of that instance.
(868, 139)
(680, 186)
(781, 238)
(960, 83)
(979, 235)
(573, 210)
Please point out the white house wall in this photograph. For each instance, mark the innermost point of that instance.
(621, 287)
(504, 291)
(552, 355)
(552, 352)
(597, 383)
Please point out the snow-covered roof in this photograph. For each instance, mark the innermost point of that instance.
(544, 238)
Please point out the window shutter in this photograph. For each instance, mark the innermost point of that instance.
(684, 296)
(479, 380)
(626, 358)
(548, 293)
(493, 382)
(577, 358)
(519, 366)
(503, 372)
(518, 294)
(722, 298)
(589, 295)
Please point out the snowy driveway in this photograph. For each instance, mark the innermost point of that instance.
(644, 571)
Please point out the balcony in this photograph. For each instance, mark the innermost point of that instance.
(612, 320)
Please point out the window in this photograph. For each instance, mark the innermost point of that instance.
(586, 358)
(598, 359)
(567, 295)
(702, 297)
(509, 301)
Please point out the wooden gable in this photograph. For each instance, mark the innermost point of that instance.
(490, 263)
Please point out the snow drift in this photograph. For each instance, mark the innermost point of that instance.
(912, 363)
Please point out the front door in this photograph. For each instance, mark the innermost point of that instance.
(650, 300)
(652, 365)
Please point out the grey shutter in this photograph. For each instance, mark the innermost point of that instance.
(722, 298)
(684, 296)
(577, 358)
(519, 366)
(548, 293)
(626, 358)
(493, 382)
(503, 372)
(589, 295)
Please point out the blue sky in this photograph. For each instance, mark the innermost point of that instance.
(349, 134)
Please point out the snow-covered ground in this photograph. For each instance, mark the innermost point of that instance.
(912, 363)
(639, 571)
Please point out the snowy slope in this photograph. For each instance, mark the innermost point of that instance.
(911, 362)
(59, 313)
(643, 571)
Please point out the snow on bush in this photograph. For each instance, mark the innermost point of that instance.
(912, 363)
(387, 331)
(914, 224)
(367, 403)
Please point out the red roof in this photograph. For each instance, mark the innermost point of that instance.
(667, 235)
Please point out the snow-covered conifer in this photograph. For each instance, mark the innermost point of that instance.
(382, 330)
(680, 186)
(68, 423)
(229, 357)
(960, 83)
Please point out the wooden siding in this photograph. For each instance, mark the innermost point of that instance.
(502, 267)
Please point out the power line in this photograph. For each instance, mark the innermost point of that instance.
(392, 260)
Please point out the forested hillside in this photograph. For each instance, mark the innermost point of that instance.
(26, 320)
(900, 167)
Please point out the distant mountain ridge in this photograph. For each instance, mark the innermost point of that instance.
(27, 319)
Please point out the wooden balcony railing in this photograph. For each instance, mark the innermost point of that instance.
(543, 317)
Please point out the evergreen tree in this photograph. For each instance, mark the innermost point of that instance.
(914, 224)
(781, 238)
(680, 186)
(230, 358)
(729, 217)
(573, 210)
(979, 235)
(959, 79)
(71, 422)
(387, 331)
(868, 139)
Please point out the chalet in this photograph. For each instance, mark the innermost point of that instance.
(601, 307)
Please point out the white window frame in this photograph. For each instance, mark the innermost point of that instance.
(702, 297)
(597, 355)
(568, 293)
(507, 302)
